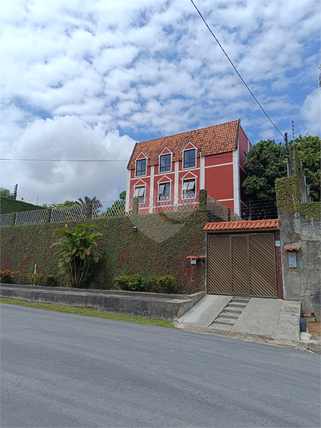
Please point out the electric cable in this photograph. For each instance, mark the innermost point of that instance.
(231, 62)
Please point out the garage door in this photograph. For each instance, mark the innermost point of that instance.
(241, 264)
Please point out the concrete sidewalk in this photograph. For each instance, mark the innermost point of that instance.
(264, 320)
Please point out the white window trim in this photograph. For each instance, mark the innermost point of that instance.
(158, 193)
(185, 180)
(136, 195)
(143, 175)
(159, 162)
(189, 167)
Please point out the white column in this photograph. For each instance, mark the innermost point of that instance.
(127, 191)
(151, 190)
(176, 176)
(236, 181)
(202, 172)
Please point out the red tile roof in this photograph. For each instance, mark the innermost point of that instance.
(291, 248)
(196, 257)
(212, 140)
(242, 225)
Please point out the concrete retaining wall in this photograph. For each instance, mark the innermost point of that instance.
(151, 305)
(303, 282)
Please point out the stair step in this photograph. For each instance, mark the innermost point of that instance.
(221, 326)
(229, 315)
(232, 311)
(237, 305)
(240, 300)
(223, 320)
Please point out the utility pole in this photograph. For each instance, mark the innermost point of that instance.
(288, 163)
(15, 191)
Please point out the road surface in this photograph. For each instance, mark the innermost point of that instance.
(61, 370)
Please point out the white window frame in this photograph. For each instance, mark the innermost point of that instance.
(141, 197)
(141, 175)
(170, 165)
(161, 194)
(195, 159)
(186, 187)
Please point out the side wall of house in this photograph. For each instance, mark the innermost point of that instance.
(303, 282)
(219, 178)
(244, 147)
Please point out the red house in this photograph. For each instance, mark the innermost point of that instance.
(170, 171)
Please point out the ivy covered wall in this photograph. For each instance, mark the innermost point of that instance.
(149, 244)
(8, 205)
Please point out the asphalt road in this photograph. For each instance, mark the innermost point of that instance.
(62, 370)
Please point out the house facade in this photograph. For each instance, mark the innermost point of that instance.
(169, 172)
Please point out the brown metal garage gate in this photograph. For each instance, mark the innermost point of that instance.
(241, 263)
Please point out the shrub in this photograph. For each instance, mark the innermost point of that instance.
(129, 282)
(166, 284)
(149, 284)
(157, 284)
(7, 277)
(122, 281)
(51, 281)
(77, 253)
(35, 279)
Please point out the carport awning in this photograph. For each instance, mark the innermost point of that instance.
(242, 226)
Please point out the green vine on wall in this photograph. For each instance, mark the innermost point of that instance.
(288, 198)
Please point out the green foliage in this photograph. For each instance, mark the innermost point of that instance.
(157, 248)
(67, 205)
(203, 199)
(308, 149)
(77, 252)
(51, 281)
(129, 282)
(7, 277)
(117, 209)
(93, 205)
(36, 279)
(157, 284)
(263, 167)
(166, 284)
(6, 193)
(288, 198)
(8, 205)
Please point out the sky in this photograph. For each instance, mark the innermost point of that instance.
(85, 80)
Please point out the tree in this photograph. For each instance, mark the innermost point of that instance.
(263, 166)
(6, 193)
(308, 149)
(118, 207)
(67, 205)
(77, 252)
(266, 162)
(96, 204)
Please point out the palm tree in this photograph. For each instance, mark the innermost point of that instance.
(95, 202)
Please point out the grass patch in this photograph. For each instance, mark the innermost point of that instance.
(87, 312)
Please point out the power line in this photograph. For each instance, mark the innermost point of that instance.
(65, 160)
(258, 103)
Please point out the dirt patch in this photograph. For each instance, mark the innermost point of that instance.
(314, 328)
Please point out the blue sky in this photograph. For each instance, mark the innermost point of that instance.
(86, 80)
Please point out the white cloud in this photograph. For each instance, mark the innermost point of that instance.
(63, 138)
(311, 111)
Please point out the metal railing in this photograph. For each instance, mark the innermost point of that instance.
(117, 209)
(31, 217)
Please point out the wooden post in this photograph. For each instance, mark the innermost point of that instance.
(13, 219)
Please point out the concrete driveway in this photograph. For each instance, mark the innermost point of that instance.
(257, 319)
